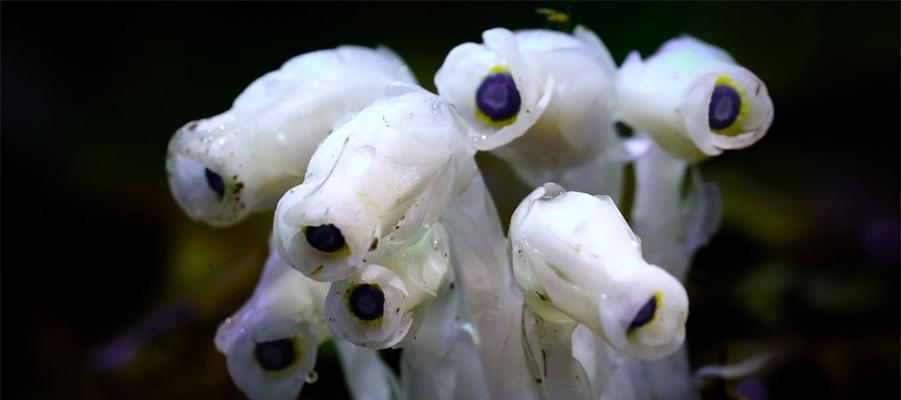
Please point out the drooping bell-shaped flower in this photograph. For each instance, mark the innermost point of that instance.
(271, 343)
(693, 99)
(575, 256)
(381, 177)
(498, 94)
(375, 307)
(572, 140)
(224, 167)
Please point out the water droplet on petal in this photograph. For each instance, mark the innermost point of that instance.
(552, 191)
(312, 376)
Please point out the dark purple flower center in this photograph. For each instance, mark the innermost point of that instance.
(214, 181)
(367, 302)
(326, 238)
(724, 107)
(275, 355)
(497, 97)
(644, 315)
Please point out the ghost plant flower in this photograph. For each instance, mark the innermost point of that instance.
(392, 211)
(224, 167)
(375, 307)
(575, 257)
(386, 173)
(493, 87)
(571, 139)
(693, 99)
(271, 343)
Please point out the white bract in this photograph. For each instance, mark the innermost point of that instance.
(271, 343)
(375, 307)
(224, 167)
(576, 257)
(379, 178)
(693, 99)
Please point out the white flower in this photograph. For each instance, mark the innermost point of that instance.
(693, 99)
(571, 81)
(493, 87)
(390, 170)
(576, 130)
(271, 342)
(375, 307)
(224, 167)
(575, 256)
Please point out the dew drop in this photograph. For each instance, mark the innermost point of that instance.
(552, 191)
(312, 376)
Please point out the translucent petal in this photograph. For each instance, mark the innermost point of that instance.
(669, 95)
(394, 317)
(261, 146)
(466, 66)
(406, 274)
(573, 142)
(386, 173)
(583, 256)
(285, 308)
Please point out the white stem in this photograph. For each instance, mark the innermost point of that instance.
(549, 349)
(367, 376)
(480, 257)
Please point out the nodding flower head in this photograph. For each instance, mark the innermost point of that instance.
(224, 167)
(499, 95)
(575, 256)
(208, 186)
(693, 99)
(382, 176)
(375, 307)
(271, 356)
(270, 344)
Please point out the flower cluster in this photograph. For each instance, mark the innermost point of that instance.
(385, 234)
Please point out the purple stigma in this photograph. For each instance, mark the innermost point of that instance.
(497, 97)
(725, 104)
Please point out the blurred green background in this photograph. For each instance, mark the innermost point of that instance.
(98, 260)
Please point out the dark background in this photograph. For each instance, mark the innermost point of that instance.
(97, 259)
